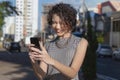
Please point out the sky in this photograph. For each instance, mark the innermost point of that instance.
(12, 1)
(76, 3)
(89, 3)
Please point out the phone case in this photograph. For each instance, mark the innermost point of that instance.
(35, 41)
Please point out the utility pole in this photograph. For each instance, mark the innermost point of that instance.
(82, 16)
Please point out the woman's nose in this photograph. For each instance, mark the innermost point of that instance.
(58, 26)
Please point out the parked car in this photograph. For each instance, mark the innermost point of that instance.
(104, 50)
(116, 54)
(15, 46)
(6, 44)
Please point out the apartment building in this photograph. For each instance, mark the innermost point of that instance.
(9, 27)
(46, 8)
(26, 24)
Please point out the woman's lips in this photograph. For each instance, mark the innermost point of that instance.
(58, 31)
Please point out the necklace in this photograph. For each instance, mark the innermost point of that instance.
(62, 43)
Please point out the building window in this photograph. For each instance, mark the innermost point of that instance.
(116, 26)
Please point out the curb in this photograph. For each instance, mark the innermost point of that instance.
(104, 77)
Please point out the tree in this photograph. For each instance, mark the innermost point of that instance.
(6, 9)
(89, 64)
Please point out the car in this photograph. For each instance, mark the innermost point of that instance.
(15, 46)
(6, 44)
(116, 54)
(104, 50)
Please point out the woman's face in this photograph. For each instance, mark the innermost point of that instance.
(59, 26)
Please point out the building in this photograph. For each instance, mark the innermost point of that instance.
(108, 7)
(103, 19)
(46, 8)
(27, 23)
(115, 30)
(9, 28)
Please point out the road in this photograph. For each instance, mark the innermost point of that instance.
(109, 67)
(15, 66)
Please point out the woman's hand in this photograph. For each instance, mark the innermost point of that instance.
(31, 53)
(42, 55)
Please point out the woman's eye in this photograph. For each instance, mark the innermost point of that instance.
(61, 23)
(53, 22)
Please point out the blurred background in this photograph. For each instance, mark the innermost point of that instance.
(22, 19)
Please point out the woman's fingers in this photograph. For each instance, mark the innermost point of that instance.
(37, 57)
(32, 59)
(30, 45)
(41, 46)
(33, 49)
(37, 54)
(31, 55)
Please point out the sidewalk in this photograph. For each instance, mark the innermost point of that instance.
(100, 77)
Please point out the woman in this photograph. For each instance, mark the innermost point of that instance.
(61, 58)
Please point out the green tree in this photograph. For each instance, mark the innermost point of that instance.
(6, 9)
(100, 37)
(89, 64)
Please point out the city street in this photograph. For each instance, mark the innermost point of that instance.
(96, 20)
(108, 67)
(16, 66)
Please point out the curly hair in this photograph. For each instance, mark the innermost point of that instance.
(66, 12)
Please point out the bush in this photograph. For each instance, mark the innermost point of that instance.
(89, 64)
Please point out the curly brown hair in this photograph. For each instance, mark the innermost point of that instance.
(66, 12)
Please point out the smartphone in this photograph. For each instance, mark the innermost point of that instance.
(35, 41)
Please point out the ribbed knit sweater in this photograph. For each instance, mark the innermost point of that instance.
(62, 54)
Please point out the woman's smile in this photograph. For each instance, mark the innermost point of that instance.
(59, 26)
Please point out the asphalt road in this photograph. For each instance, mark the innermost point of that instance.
(17, 66)
(109, 67)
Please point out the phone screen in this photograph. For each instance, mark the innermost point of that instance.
(35, 41)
